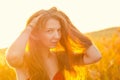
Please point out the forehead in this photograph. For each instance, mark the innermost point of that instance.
(53, 23)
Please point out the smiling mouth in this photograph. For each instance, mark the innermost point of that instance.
(54, 43)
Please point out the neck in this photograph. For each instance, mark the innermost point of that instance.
(44, 52)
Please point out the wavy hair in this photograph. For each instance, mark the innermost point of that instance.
(72, 40)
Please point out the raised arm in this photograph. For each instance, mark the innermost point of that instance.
(92, 55)
(15, 53)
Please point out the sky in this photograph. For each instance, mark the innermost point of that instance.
(86, 15)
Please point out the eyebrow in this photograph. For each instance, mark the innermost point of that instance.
(54, 28)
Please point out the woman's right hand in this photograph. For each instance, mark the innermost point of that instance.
(33, 23)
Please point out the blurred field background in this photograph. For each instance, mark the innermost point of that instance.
(108, 68)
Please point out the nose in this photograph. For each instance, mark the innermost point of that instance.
(57, 35)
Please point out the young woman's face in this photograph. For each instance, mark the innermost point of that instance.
(50, 34)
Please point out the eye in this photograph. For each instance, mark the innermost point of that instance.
(50, 30)
(59, 30)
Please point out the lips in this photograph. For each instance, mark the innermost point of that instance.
(55, 43)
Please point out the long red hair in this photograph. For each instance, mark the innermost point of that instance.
(71, 39)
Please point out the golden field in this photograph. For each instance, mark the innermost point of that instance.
(108, 68)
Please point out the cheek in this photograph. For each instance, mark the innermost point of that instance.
(45, 38)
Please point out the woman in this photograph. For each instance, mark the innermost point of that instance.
(49, 45)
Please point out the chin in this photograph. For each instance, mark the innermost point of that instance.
(53, 46)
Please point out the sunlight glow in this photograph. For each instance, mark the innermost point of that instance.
(86, 15)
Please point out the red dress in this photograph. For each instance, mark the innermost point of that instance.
(59, 76)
